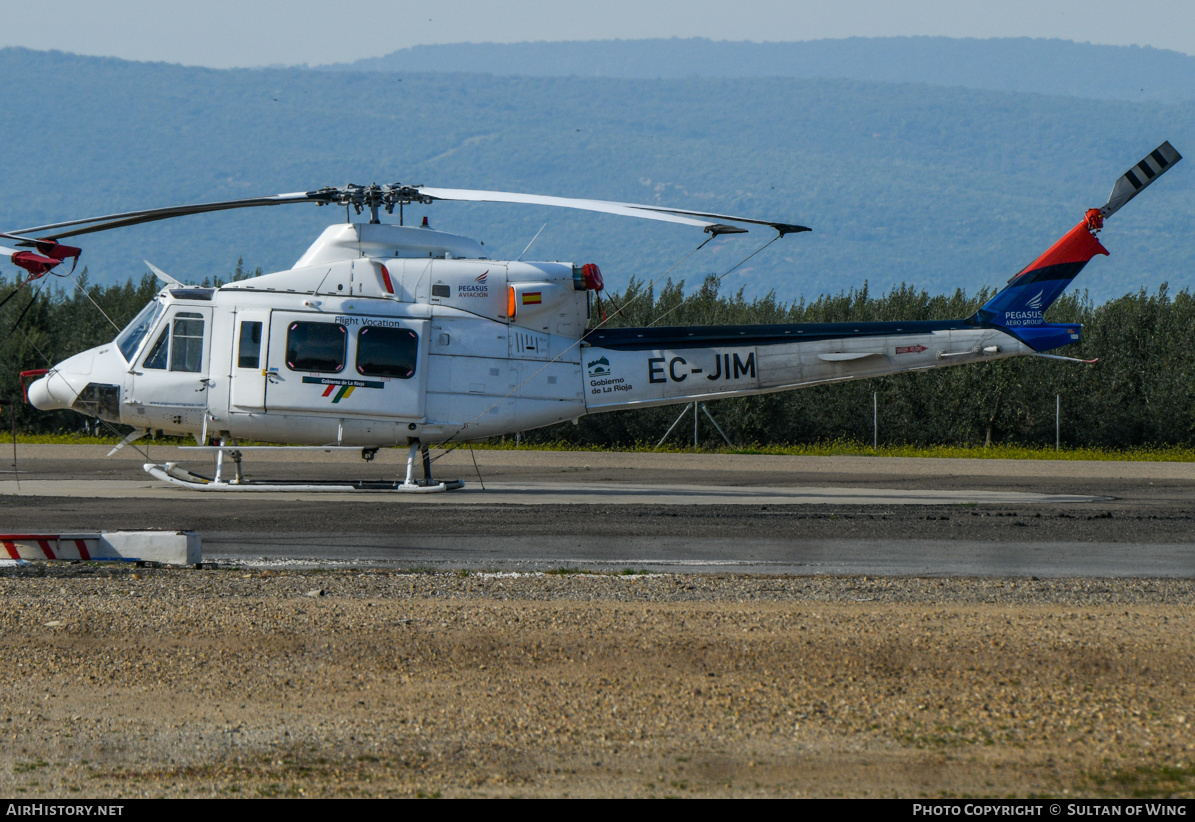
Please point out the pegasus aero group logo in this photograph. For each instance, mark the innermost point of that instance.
(1035, 301)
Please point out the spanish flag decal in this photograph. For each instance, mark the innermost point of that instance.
(532, 297)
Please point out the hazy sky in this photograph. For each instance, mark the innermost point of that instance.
(225, 33)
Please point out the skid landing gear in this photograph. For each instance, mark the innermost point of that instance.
(426, 484)
(236, 458)
(174, 474)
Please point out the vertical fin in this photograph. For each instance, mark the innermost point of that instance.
(1022, 303)
(1024, 300)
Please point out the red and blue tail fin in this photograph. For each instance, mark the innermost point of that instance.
(1023, 302)
(1019, 308)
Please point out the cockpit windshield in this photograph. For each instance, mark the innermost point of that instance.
(130, 339)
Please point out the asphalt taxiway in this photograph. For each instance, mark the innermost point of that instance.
(531, 510)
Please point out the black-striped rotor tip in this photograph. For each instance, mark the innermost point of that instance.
(1151, 167)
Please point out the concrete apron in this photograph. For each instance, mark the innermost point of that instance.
(167, 547)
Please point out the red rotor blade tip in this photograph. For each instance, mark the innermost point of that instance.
(35, 264)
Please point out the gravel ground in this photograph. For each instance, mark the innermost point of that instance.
(126, 682)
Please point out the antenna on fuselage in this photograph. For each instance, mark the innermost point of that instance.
(533, 239)
(162, 275)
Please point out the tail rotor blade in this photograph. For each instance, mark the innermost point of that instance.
(1153, 166)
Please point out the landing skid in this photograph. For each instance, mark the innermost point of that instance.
(174, 474)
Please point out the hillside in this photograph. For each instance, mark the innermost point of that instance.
(936, 186)
(1000, 64)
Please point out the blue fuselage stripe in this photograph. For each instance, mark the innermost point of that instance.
(678, 337)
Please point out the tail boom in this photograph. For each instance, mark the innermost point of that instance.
(639, 367)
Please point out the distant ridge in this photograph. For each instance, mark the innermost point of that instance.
(929, 185)
(1056, 67)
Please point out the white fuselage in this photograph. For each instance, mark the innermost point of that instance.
(383, 335)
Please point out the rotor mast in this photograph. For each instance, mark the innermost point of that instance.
(373, 196)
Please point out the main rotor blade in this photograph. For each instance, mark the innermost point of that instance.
(375, 197)
(108, 221)
(648, 212)
(1155, 164)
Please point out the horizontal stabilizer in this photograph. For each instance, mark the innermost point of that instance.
(1067, 359)
(1153, 166)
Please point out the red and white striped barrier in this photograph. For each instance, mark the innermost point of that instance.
(49, 546)
(170, 547)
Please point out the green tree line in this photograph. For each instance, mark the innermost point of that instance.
(44, 321)
(1141, 392)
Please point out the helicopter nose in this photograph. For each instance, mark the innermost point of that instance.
(60, 388)
(51, 392)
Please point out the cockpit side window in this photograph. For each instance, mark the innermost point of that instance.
(159, 355)
(129, 340)
(249, 351)
(187, 342)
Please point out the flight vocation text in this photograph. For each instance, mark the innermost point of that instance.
(677, 369)
(370, 321)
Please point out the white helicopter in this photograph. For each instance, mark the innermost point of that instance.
(384, 335)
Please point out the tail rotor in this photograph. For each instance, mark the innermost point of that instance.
(1135, 180)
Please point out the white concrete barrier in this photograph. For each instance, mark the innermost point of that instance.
(169, 547)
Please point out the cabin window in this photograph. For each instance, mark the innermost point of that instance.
(187, 342)
(316, 347)
(249, 351)
(387, 352)
(159, 355)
